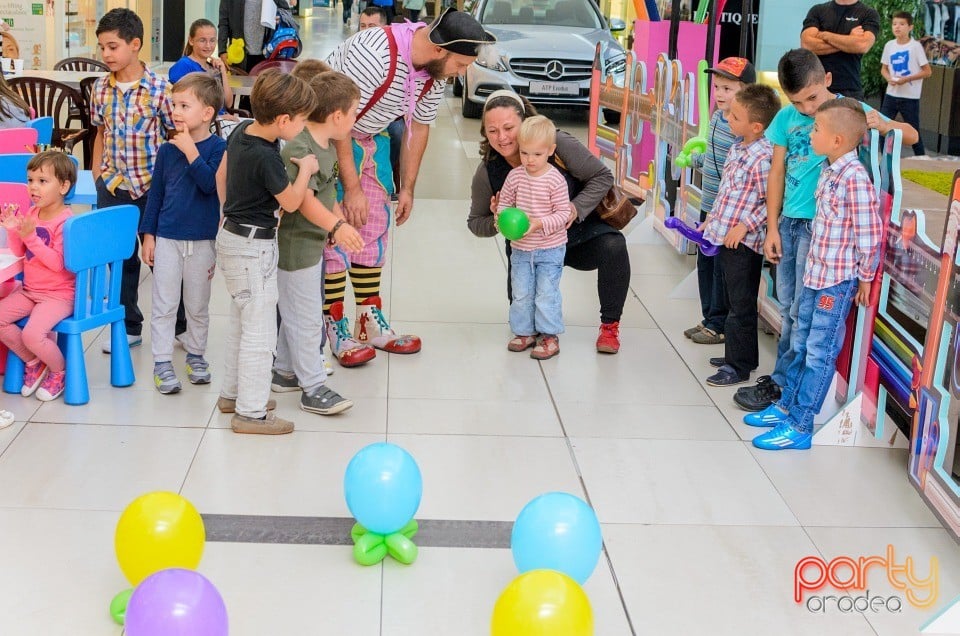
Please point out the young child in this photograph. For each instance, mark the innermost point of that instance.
(131, 109)
(791, 205)
(255, 184)
(179, 229)
(841, 264)
(729, 76)
(14, 112)
(904, 65)
(737, 222)
(301, 238)
(536, 260)
(48, 286)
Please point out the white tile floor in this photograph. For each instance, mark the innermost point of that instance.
(701, 532)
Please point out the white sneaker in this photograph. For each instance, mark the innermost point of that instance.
(6, 418)
(133, 341)
(326, 365)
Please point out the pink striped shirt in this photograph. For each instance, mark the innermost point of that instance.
(546, 198)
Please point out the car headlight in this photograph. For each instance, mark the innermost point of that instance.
(490, 58)
(616, 65)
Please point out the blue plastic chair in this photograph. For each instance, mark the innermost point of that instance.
(44, 126)
(95, 245)
(13, 168)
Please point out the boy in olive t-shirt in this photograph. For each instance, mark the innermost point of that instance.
(301, 237)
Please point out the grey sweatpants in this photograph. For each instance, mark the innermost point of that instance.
(300, 342)
(190, 263)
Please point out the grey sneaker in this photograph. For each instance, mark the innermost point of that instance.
(324, 401)
(165, 378)
(269, 425)
(707, 336)
(198, 371)
(688, 333)
(284, 383)
(229, 405)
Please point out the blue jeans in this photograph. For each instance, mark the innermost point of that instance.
(795, 243)
(535, 277)
(816, 341)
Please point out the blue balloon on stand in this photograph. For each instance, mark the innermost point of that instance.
(557, 531)
(383, 487)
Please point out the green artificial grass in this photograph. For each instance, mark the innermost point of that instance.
(941, 182)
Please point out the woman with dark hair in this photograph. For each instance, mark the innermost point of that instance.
(591, 243)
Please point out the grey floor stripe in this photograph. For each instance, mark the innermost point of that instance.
(434, 533)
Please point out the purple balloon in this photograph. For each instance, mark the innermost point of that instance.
(176, 602)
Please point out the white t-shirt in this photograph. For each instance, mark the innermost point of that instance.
(903, 60)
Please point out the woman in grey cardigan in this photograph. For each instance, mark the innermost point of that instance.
(591, 243)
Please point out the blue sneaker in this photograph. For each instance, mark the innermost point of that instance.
(783, 437)
(767, 418)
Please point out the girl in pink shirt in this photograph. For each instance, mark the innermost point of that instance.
(536, 259)
(48, 287)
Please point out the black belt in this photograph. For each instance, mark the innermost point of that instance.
(249, 231)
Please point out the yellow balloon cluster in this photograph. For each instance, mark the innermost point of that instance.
(157, 531)
(542, 603)
(235, 51)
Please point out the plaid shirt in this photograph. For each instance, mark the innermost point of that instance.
(742, 197)
(134, 123)
(847, 229)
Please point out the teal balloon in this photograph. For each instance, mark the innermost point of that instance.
(383, 487)
(513, 223)
(557, 531)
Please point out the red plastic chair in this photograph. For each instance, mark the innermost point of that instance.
(284, 65)
(17, 140)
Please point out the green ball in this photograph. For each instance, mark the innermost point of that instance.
(118, 606)
(513, 223)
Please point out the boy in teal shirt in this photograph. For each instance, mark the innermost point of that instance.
(791, 191)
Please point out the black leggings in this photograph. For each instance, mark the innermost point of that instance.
(606, 253)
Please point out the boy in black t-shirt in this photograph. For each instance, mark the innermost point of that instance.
(839, 32)
(253, 182)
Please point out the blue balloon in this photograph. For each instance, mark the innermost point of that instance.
(383, 487)
(557, 531)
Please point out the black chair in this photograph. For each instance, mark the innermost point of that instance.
(49, 98)
(80, 64)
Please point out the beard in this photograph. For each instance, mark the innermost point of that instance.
(435, 68)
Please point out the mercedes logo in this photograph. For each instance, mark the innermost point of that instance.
(554, 69)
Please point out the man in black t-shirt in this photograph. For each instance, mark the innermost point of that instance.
(840, 32)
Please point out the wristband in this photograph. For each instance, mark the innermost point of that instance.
(336, 227)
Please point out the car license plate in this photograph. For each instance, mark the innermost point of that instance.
(554, 88)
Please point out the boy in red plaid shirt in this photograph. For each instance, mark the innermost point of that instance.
(736, 223)
(840, 268)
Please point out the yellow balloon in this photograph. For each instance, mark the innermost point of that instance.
(157, 531)
(542, 603)
(235, 51)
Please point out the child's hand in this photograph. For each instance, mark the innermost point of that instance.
(772, 247)
(348, 238)
(306, 163)
(9, 218)
(536, 225)
(735, 236)
(27, 225)
(148, 249)
(184, 142)
(863, 293)
(495, 203)
(875, 121)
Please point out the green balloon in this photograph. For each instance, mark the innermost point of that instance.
(513, 223)
(118, 606)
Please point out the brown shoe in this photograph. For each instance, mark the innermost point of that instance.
(270, 425)
(226, 405)
(521, 343)
(547, 347)
(707, 336)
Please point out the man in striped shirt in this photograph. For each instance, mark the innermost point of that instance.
(840, 267)
(401, 71)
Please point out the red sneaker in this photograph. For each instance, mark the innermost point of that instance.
(373, 328)
(609, 339)
(347, 351)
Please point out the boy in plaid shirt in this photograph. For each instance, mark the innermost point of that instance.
(132, 110)
(737, 222)
(840, 267)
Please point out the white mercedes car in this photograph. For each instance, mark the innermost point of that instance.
(544, 51)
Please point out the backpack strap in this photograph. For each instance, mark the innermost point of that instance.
(391, 72)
